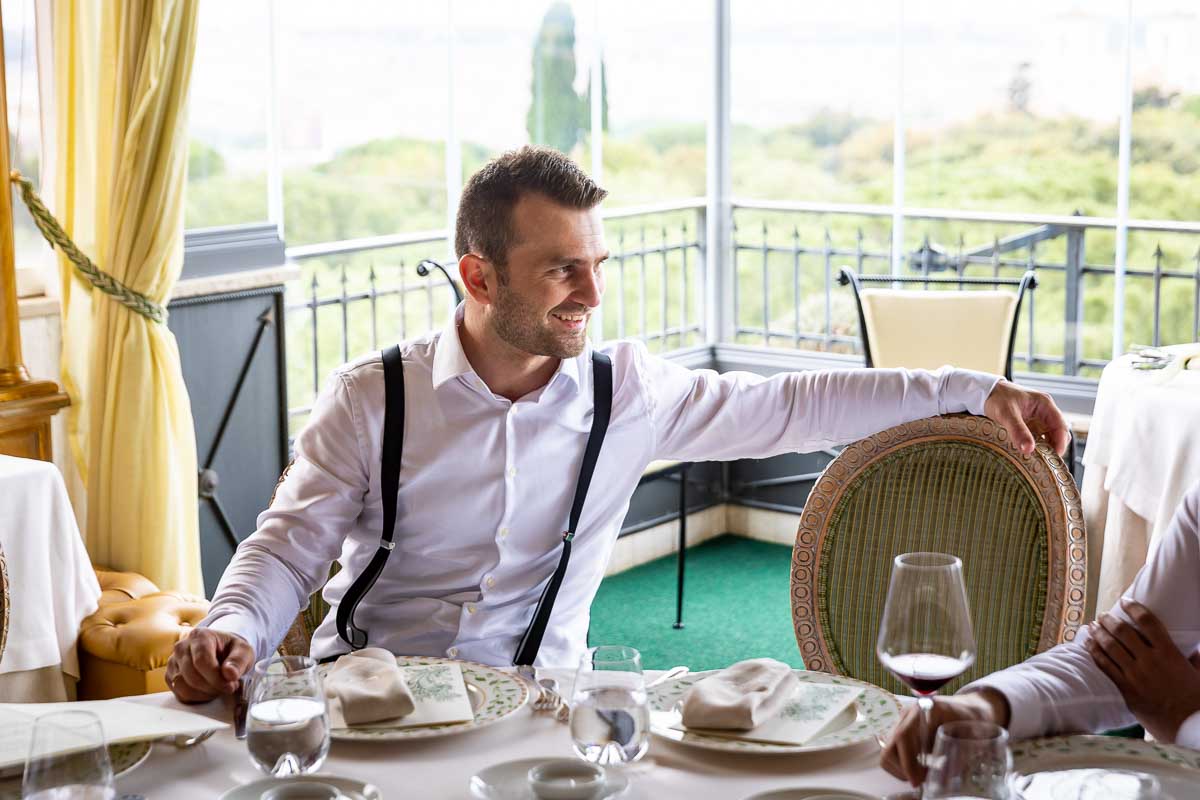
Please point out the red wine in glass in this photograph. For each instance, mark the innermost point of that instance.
(925, 673)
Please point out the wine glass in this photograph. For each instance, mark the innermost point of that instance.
(610, 720)
(925, 638)
(68, 759)
(970, 760)
(287, 723)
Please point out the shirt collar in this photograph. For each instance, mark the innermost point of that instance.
(450, 361)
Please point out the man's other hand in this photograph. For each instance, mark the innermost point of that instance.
(206, 664)
(902, 754)
(1160, 685)
(1027, 416)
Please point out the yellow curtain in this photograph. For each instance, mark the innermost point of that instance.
(121, 76)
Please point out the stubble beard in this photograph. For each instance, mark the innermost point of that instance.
(522, 327)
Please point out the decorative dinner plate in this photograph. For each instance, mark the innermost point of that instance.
(1046, 769)
(873, 714)
(494, 695)
(812, 793)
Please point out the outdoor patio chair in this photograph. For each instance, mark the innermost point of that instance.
(973, 329)
(952, 484)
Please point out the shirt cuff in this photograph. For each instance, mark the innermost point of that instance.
(1024, 719)
(964, 390)
(1189, 732)
(231, 623)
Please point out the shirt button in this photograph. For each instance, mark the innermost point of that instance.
(504, 533)
(512, 472)
(470, 608)
(452, 652)
(491, 582)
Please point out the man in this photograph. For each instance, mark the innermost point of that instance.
(500, 406)
(1139, 662)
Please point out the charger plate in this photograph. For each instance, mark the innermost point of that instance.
(1046, 769)
(873, 714)
(494, 696)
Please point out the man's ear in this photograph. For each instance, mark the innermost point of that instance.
(479, 278)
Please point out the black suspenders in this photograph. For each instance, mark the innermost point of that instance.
(393, 445)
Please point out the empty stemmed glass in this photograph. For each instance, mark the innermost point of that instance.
(925, 638)
(287, 723)
(68, 759)
(610, 719)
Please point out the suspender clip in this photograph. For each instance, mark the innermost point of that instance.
(568, 535)
(386, 545)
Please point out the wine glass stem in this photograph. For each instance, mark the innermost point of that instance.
(925, 703)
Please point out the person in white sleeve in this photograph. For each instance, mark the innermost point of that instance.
(501, 406)
(1137, 663)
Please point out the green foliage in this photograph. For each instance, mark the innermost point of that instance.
(554, 116)
(204, 161)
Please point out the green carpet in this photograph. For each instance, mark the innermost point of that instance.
(735, 606)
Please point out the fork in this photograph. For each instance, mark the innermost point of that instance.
(552, 701)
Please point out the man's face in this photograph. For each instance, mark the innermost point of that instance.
(554, 280)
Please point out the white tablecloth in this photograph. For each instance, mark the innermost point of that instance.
(52, 584)
(433, 769)
(1143, 453)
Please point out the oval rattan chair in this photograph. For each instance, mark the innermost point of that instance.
(950, 484)
(5, 599)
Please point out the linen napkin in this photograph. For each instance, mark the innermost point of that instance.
(366, 686)
(740, 697)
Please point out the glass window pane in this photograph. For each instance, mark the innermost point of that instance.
(24, 129)
(813, 100)
(1013, 106)
(657, 67)
(227, 117)
(544, 51)
(363, 113)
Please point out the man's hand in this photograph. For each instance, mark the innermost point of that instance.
(1160, 685)
(901, 756)
(206, 664)
(1027, 416)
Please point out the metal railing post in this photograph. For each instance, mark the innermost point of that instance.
(1073, 301)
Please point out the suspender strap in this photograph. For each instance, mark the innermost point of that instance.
(601, 411)
(393, 446)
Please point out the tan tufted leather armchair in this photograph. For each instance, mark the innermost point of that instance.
(124, 646)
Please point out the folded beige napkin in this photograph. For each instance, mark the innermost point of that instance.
(366, 686)
(741, 696)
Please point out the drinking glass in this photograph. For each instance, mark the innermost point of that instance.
(610, 720)
(287, 723)
(970, 759)
(68, 759)
(925, 637)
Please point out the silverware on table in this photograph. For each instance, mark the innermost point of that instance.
(553, 702)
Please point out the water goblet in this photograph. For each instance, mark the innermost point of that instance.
(68, 759)
(970, 760)
(610, 718)
(287, 723)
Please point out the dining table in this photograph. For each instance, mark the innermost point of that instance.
(442, 767)
(51, 584)
(1142, 455)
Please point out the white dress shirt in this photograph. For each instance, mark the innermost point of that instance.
(1063, 691)
(486, 487)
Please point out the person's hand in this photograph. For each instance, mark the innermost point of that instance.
(1160, 685)
(1027, 416)
(206, 664)
(901, 756)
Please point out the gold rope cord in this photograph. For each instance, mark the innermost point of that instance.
(57, 237)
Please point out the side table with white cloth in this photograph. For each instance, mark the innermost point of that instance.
(1143, 453)
(52, 586)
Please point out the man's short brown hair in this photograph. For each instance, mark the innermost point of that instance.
(484, 225)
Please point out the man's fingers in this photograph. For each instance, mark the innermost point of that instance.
(1106, 664)
(1105, 646)
(1128, 635)
(1147, 624)
(1194, 659)
(1022, 437)
(236, 659)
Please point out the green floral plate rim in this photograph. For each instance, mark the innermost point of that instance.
(124, 757)
(495, 696)
(1033, 755)
(875, 713)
